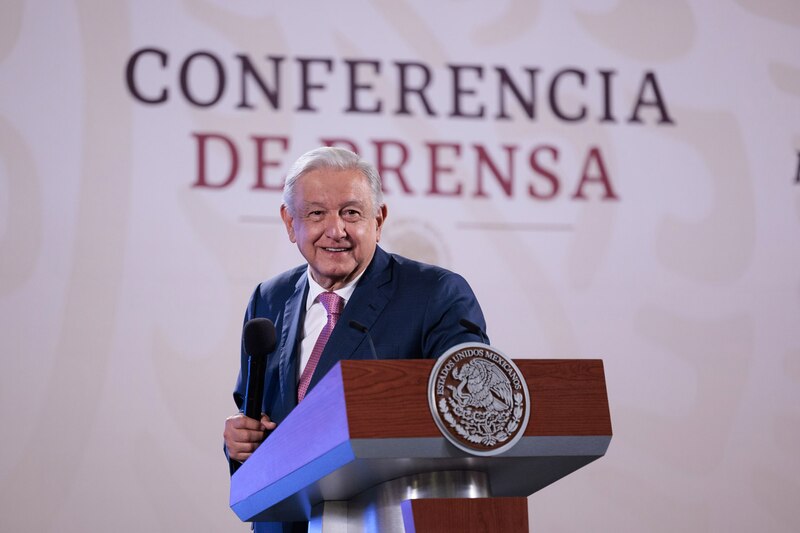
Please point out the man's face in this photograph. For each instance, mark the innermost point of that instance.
(334, 224)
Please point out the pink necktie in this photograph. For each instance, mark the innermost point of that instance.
(333, 304)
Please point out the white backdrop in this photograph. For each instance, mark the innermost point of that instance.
(123, 283)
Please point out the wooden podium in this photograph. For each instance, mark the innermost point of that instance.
(363, 453)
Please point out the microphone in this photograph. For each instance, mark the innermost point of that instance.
(472, 327)
(358, 326)
(259, 340)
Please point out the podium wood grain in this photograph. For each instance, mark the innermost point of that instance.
(389, 399)
(461, 515)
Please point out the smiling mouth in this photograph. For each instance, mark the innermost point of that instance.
(335, 249)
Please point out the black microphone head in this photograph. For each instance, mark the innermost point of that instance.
(472, 327)
(358, 326)
(259, 337)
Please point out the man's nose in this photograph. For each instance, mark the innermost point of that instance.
(335, 228)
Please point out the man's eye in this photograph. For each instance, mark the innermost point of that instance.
(351, 214)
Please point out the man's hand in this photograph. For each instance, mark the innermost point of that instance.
(243, 435)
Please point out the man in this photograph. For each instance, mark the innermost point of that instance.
(333, 210)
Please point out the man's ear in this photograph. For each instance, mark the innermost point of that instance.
(380, 218)
(288, 220)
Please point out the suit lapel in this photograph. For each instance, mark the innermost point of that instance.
(371, 295)
(292, 313)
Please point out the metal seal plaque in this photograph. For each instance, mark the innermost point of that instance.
(479, 399)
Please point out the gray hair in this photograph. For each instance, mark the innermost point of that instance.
(330, 157)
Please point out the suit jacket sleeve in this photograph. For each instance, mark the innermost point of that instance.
(452, 299)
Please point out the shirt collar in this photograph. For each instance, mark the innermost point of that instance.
(315, 289)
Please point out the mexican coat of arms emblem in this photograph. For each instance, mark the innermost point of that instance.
(479, 399)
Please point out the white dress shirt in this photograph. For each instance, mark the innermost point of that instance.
(317, 317)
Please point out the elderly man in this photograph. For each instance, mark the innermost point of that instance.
(333, 210)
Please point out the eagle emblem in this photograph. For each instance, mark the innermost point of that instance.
(486, 386)
(479, 399)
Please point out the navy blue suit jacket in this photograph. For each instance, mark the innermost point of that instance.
(411, 309)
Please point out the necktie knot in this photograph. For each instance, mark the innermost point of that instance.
(332, 302)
